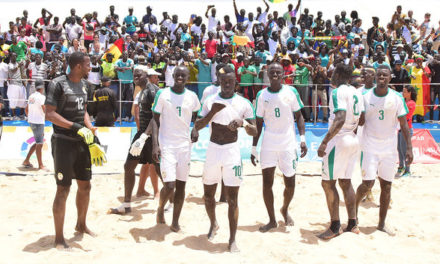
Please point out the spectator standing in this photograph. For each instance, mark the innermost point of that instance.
(410, 96)
(399, 76)
(16, 90)
(4, 86)
(38, 70)
(131, 22)
(434, 66)
(105, 104)
(301, 82)
(124, 68)
(203, 65)
(35, 111)
(247, 73)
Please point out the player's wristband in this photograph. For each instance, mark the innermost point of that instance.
(75, 127)
(303, 138)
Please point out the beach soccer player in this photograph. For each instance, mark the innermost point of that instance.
(385, 109)
(73, 143)
(173, 110)
(278, 106)
(338, 148)
(225, 112)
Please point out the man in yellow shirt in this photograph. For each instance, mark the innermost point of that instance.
(3, 47)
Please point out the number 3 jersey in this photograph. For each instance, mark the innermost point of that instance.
(70, 99)
(349, 99)
(175, 116)
(381, 121)
(277, 109)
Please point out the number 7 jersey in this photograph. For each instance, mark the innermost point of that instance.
(349, 99)
(175, 116)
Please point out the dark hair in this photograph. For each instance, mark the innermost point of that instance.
(39, 44)
(76, 58)
(412, 91)
(344, 71)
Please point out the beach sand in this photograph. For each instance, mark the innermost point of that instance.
(27, 232)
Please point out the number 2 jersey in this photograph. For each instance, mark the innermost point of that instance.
(381, 121)
(175, 116)
(277, 109)
(349, 99)
(70, 100)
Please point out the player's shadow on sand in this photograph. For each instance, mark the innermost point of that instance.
(137, 213)
(311, 236)
(47, 242)
(368, 230)
(202, 243)
(156, 233)
(135, 199)
(281, 228)
(195, 199)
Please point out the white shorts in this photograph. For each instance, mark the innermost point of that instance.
(382, 165)
(174, 164)
(16, 96)
(286, 160)
(223, 161)
(342, 153)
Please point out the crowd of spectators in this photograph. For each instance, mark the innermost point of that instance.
(308, 47)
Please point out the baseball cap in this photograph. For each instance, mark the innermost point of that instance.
(344, 51)
(398, 62)
(239, 54)
(399, 46)
(151, 72)
(357, 37)
(225, 55)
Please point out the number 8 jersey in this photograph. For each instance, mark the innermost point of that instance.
(70, 100)
(349, 99)
(277, 109)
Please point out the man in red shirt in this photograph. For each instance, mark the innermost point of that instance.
(211, 45)
(289, 70)
(238, 62)
(26, 26)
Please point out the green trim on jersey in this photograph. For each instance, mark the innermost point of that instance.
(201, 105)
(374, 91)
(256, 102)
(335, 101)
(298, 98)
(184, 90)
(220, 95)
(155, 101)
(282, 86)
(362, 158)
(331, 163)
(367, 89)
(403, 102)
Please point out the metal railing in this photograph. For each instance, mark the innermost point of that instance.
(255, 85)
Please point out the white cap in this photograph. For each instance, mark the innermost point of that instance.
(152, 72)
(239, 54)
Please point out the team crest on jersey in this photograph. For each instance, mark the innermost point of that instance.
(389, 105)
(285, 99)
(364, 173)
(84, 89)
(60, 176)
(164, 174)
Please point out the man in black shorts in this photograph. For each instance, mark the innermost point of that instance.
(73, 147)
(141, 148)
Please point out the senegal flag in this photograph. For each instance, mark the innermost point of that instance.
(277, 1)
(116, 49)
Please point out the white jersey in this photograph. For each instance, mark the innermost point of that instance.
(381, 120)
(349, 99)
(175, 116)
(237, 107)
(364, 90)
(277, 109)
(210, 90)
